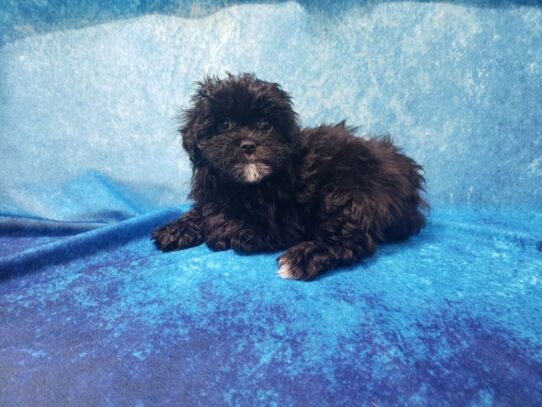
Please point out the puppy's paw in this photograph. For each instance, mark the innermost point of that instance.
(242, 241)
(245, 241)
(302, 262)
(176, 236)
(287, 270)
(218, 243)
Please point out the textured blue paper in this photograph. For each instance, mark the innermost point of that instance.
(92, 314)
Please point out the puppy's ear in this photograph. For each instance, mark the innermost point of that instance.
(193, 118)
(189, 135)
(282, 103)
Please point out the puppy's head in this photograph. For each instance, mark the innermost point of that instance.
(243, 127)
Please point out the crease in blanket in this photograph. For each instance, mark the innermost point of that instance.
(89, 238)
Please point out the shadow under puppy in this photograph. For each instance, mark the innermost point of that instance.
(261, 183)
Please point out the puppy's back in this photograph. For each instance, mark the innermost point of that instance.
(370, 169)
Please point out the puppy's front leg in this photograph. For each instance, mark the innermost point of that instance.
(307, 260)
(229, 233)
(185, 232)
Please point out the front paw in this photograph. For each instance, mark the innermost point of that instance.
(218, 243)
(176, 236)
(303, 261)
(245, 241)
(242, 241)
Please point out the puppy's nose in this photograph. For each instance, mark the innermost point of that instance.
(248, 146)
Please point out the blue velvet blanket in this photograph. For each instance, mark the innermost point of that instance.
(451, 317)
(92, 314)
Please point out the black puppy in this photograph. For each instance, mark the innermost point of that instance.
(262, 183)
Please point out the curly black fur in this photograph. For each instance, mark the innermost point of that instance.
(262, 183)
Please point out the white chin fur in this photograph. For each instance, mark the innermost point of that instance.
(254, 172)
(285, 270)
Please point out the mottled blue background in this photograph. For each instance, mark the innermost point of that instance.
(92, 314)
(92, 109)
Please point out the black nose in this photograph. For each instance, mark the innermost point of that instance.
(248, 146)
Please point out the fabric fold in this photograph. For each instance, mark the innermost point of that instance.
(83, 244)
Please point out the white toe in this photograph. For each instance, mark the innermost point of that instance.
(285, 271)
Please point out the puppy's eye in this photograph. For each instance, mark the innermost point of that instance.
(265, 126)
(225, 125)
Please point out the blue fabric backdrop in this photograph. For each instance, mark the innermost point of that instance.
(92, 314)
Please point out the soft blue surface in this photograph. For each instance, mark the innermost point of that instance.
(92, 314)
(449, 318)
